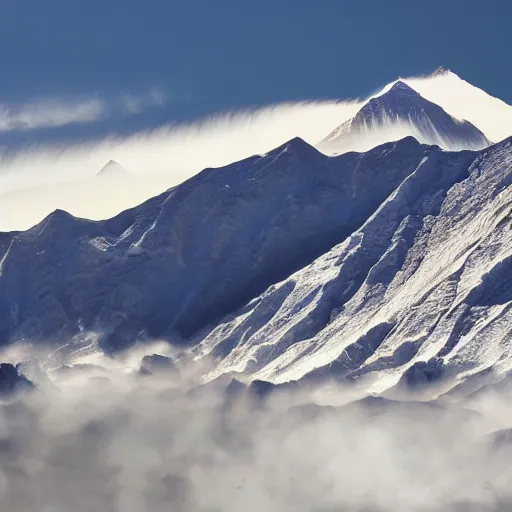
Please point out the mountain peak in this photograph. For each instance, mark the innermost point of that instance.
(298, 146)
(112, 168)
(402, 88)
(399, 112)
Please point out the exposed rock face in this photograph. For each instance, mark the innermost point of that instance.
(157, 364)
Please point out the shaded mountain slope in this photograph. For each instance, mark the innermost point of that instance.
(185, 258)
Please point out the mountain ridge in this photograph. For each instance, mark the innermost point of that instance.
(415, 298)
(386, 269)
(280, 213)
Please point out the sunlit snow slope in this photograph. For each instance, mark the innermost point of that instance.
(426, 279)
(464, 101)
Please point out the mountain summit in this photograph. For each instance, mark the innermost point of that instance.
(112, 168)
(399, 112)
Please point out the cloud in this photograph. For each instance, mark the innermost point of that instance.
(53, 112)
(96, 436)
(49, 113)
(135, 104)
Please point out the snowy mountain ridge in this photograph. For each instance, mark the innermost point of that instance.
(424, 279)
(386, 269)
(168, 268)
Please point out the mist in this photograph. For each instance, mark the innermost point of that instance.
(38, 180)
(97, 435)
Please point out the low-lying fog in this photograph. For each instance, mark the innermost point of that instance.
(101, 435)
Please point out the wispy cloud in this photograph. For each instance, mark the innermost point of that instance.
(52, 112)
(49, 113)
(135, 104)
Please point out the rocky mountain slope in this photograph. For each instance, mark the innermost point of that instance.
(386, 269)
(420, 294)
(197, 252)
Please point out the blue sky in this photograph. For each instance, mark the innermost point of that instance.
(181, 60)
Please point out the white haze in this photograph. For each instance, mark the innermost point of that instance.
(51, 112)
(106, 439)
(42, 179)
(387, 129)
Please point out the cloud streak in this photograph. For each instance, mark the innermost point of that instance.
(49, 113)
(53, 112)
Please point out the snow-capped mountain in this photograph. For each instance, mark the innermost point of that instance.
(196, 252)
(111, 169)
(463, 100)
(399, 112)
(397, 262)
(422, 288)
(386, 268)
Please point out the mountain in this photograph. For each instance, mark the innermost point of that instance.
(386, 270)
(112, 169)
(399, 112)
(419, 297)
(184, 259)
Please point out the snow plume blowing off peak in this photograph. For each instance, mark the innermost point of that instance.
(398, 112)
(463, 100)
(98, 434)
